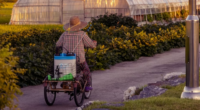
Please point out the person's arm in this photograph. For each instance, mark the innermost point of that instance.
(88, 42)
(59, 43)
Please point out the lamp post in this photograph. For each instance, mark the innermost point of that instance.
(192, 90)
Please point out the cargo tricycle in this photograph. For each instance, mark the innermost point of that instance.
(67, 73)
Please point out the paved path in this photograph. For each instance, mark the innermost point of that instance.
(109, 85)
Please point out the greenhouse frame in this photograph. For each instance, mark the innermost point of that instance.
(60, 11)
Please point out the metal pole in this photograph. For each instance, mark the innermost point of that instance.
(37, 10)
(48, 12)
(192, 90)
(197, 10)
(61, 11)
(146, 14)
(84, 9)
(140, 16)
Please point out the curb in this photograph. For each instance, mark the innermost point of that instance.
(86, 105)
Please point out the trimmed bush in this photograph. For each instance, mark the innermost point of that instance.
(184, 13)
(150, 18)
(159, 17)
(166, 16)
(35, 49)
(115, 20)
(128, 44)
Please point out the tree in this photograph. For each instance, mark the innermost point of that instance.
(8, 78)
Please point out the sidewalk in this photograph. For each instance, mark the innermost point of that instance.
(109, 85)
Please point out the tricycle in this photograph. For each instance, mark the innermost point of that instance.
(72, 84)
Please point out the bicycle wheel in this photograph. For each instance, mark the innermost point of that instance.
(78, 94)
(49, 95)
(87, 94)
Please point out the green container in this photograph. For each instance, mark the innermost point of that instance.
(60, 79)
(68, 77)
(49, 77)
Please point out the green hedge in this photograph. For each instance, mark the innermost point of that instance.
(115, 44)
(128, 44)
(35, 49)
(115, 20)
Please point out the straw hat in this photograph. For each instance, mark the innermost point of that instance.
(75, 24)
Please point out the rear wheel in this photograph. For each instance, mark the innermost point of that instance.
(49, 96)
(78, 94)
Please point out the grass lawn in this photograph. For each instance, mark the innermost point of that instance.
(17, 28)
(5, 12)
(170, 100)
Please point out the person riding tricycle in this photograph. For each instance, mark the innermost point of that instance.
(74, 40)
(72, 43)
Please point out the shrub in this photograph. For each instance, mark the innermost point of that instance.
(166, 16)
(115, 44)
(149, 18)
(159, 17)
(146, 40)
(173, 14)
(149, 28)
(35, 49)
(127, 21)
(115, 20)
(178, 14)
(184, 13)
(125, 49)
(8, 78)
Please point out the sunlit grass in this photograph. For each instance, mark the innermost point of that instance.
(17, 28)
(5, 13)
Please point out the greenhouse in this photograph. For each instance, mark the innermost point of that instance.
(59, 11)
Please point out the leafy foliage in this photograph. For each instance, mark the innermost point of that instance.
(35, 49)
(114, 20)
(159, 17)
(128, 44)
(166, 16)
(149, 18)
(8, 78)
(184, 13)
(178, 14)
